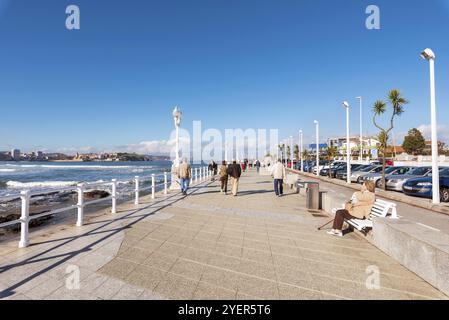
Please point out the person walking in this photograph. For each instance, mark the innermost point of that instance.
(184, 175)
(257, 166)
(224, 177)
(212, 169)
(278, 174)
(235, 171)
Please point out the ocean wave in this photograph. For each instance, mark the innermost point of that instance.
(84, 167)
(7, 170)
(40, 184)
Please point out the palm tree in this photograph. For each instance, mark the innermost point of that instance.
(331, 154)
(398, 102)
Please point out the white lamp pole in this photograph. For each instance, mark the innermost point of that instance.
(430, 56)
(291, 151)
(348, 144)
(177, 117)
(317, 127)
(285, 151)
(301, 151)
(361, 129)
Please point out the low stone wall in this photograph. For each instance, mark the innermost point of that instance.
(419, 248)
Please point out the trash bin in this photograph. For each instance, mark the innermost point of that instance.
(313, 196)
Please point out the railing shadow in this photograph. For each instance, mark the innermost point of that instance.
(70, 255)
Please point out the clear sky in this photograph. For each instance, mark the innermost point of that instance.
(232, 64)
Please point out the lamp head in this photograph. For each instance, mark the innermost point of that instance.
(428, 54)
(177, 115)
(316, 122)
(300, 131)
(346, 104)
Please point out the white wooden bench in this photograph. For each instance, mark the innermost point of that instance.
(381, 209)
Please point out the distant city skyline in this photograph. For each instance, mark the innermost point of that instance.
(111, 85)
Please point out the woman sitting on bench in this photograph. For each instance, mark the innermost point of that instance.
(358, 208)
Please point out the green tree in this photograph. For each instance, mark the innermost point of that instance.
(296, 152)
(397, 102)
(414, 143)
(331, 154)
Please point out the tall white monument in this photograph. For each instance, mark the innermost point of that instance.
(177, 116)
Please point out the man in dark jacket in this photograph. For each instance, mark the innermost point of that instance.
(234, 171)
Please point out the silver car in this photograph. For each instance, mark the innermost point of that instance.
(357, 176)
(391, 171)
(396, 182)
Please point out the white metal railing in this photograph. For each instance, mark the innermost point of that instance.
(198, 175)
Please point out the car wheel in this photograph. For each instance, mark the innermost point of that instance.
(379, 184)
(444, 194)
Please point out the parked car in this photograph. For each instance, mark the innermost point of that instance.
(342, 173)
(422, 187)
(357, 175)
(321, 166)
(333, 168)
(397, 182)
(391, 171)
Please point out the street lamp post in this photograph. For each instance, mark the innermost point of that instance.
(361, 129)
(291, 152)
(430, 56)
(177, 117)
(301, 150)
(317, 128)
(348, 144)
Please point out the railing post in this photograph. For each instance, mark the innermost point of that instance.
(24, 219)
(196, 175)
(153, 186)
(137, 190)
(80, 205)
(114, 196)
(165, 183)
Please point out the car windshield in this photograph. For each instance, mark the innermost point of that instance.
(444, 171)
(366, 169)
(419, 171)
(390, 170)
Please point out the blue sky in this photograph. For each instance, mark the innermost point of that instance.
(232, 64)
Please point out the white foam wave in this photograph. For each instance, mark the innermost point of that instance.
(42, 184)
(7, 170)
(82, 167)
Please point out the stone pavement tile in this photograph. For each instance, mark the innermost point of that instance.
(229, 250)
(413, 287)
(118, 268)
(148, 279)
(150, 295)
(221, 278)
(205, 291)
(176, 287)
(159, 235)
(261, 270)
(207, 236)
(202, 244)
(92, 282)
(225, 262)
(130, 240)
(197, 255)
(108, 289)
(284, 249)
(256, 244)
(177, 239)
(160, 261)
(188, 269)
(93, 261)
(257, 255)
(45, 289)
(171, 249)
(18, 296)
(244, 296)
(128, 292)
(258, 287)
(294, 293)
(134, 254)
(148, 243)
(230, 241)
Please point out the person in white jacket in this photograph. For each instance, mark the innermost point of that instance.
(278, 173)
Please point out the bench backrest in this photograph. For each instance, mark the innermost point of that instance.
(382, 208)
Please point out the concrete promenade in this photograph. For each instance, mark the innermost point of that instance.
(204, 246)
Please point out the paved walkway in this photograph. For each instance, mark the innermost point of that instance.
(205, 246)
